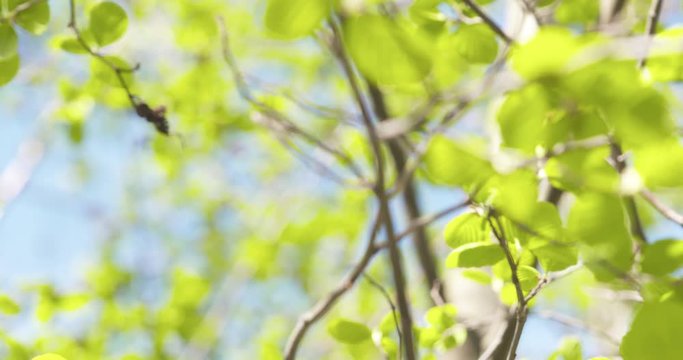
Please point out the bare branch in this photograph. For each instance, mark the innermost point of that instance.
(651, 26)
(578, 324)
(663, 209)
(549, 278)
(488, 20)
(276, 116)
(380, 192)
(637, 229)
(325, 304)
(386, 295)
(373, 248)
(521, 307)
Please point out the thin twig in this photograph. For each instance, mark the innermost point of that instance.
(425, 254)
(380, 193)
(637, 229)
(578, 324)
(529, 8)
(280, 118)
(549, 278)
(663, 209)
(521, 307)
(386, 295)
(488, 20)
(157, 116)
(651, 26)
(326, 303)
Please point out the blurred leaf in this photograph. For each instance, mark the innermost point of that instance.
(475, 255)
(441, 317)
(447, 163)
(654, 332)
(570, 349)
(108, 22)
(546, 54)
(106, 74)
(660, 171)
(35, 18)
(466, 228)
(386, 51)
(291, 19)
(475, 43)
(599, 223)
(8, 306)
(49, 357)
(9, 42)
(348, 332)
(577, 12)
(662, 257)
(477, 275)
(8, 69)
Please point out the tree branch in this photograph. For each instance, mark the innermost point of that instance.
(380, 192)
(488, 20)
(157, 116)
(372, 248)
(386, 295)
(651, 26)
(663, 209)
(410, 197)
(279, 118)
(325, 304)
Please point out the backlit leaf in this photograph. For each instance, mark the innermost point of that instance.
(108, 22)
(386, 51)
(348, 332)
(291, 19)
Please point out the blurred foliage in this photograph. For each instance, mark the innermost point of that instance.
(263, 210)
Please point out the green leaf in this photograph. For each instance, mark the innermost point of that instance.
(583, 170)
(529, 117)
(657, 170)
(49, 357)
(386, 51)
(667, 66)
(8, 306)
(8, 69)
(9, 42)
(570, 349)
(106, 74)
(291, 19)
(71, 45)
(73, 302)
(528, 277)
(546, 54)
(108, 22)
(348, 332)
(388, 324)
(428, 337)
(466, 228)
(441, 317)
(475, 255)
(475, 43)
(448, 163)
(556, 257)
(598, 222)
(663, 257)
(655, 332)
(477, 275)
(577, 12)
(515, 195)
(35, 18)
